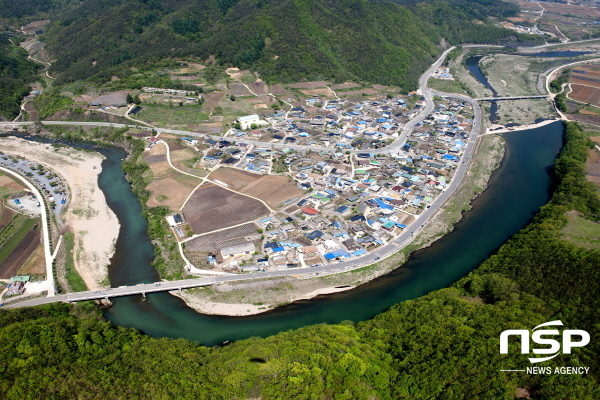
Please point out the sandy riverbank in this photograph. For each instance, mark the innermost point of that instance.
(88, 216)
(204, 306)
(503, 129)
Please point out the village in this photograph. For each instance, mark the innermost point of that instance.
(344, 200)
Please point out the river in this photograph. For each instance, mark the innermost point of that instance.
(516, 191)
(472, 64)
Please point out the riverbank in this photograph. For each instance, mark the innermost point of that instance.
(498, 128)
(93, 223)
(241, 309)
(261, 295)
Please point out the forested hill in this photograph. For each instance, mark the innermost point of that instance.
(15, 74)
(444, 345)
(388, 42)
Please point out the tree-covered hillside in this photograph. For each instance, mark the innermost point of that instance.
(389, 42)
(15, 74)
(441, 346)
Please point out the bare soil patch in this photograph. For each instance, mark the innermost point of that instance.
(111, 98)
(238, 89)
(33, 113)
(309, 85)
(212, 242)
(156, 158)
(211, 128)
(588, 112)
(6, 215)
(15, 260)
(320, 92)
(277, 89)
(588, 119)
(36, 264)
(235, 178)
(212, 100)
(6, 181)
(342, 86)
(167, 192)
(593, 168)
(584, 94)
(261, 99)
(273, 190)
(34, 26)
(359, 92)
(212, 207)
(174, 145)
(258, 87)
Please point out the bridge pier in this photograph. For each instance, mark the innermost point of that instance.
(144, 294)
(179, 290)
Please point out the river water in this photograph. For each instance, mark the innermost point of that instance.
(472, 64)
(516, 191)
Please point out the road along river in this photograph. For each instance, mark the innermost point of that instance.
(516, 191)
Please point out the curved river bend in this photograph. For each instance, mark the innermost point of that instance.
(516, 191)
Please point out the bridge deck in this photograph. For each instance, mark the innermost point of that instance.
(142, 288)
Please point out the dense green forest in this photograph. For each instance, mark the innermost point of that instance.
(15, 74)
(388, 42)
(17, 10)
(444, 345)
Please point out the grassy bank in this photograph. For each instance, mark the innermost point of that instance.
(74, 280)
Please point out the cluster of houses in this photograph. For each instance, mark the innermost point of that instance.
(341, 123)
(354, 202)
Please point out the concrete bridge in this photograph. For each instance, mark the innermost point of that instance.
(142, 289)
(542, 96)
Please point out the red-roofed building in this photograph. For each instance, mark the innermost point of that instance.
(310, 211)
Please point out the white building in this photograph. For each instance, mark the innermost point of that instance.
(247, 121)
(226, 253)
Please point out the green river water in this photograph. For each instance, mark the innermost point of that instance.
(516, 191)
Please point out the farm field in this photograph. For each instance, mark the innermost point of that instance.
(238, 89)
(235, 178)
(273, 190)
(585, 84)
(309, 85)
(157, 159)
(36, 264)
(164, 115)
(219, 240)
(570, 20)
(359, 92)
(167, 192)
(9, 186)
(6, 214)
(18, 240)
(593, 168)
(345, 86)
(319, 92)
(277, 89)
(212, 207)
(212, 100)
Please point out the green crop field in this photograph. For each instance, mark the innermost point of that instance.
(13, 233)
(172, 115)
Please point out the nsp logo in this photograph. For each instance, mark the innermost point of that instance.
(539, 337)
